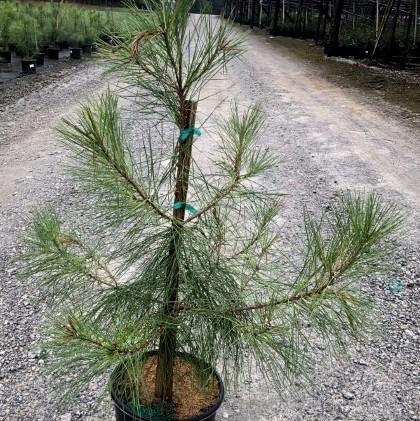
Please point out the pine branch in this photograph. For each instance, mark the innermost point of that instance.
(89, 135)
(51, 254)
(360, 223)
(71, 333)
(265, 216)
(174, 55)
(222, 194)
(242, 159)
(66, 239)
(291, 299)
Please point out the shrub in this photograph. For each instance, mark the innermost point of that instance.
(24, 32)
(8, 15)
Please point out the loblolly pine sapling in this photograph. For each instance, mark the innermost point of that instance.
(181, 260)
(8, 14)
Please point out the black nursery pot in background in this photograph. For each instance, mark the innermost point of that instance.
(75, 53)
(53, 53)
(124, 413)
(87, 49)
(29, 66)
(5, 56)
(39, 57)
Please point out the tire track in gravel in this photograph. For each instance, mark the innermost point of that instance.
(356, 143)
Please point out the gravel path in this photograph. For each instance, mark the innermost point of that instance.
(23, 85)
(328, 138)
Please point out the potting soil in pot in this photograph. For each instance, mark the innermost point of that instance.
(189, 397)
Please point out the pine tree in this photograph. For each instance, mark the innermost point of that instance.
(175, 260)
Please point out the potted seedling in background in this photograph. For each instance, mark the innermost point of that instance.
(42, 13)
(90, 31)
(65, 27)
(110, 25)
(37, 13)
(75, 36)
(8, 14)
(23, 30)
(53, 52)
(177, 270)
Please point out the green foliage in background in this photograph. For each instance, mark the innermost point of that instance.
(23, 33)
(28, 27)
(8, 15)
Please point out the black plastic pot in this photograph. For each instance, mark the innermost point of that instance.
(5, 56)
(28, 66)
(76, 53)
(39, 57)
(53, 53)
(124, 413)
(87, 49)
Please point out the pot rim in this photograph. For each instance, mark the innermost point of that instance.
(206, 413)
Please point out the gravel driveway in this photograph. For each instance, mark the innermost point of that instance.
(328, 138)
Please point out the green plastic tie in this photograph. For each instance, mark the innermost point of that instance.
(182, 205)
(186, 133)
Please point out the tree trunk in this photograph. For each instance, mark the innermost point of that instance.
(226, 8)
(298, 17)
(324, 25)
(407, 43)
(241, 12)
(353, 18)
(253, 13)
(388, 10)
(333, 39)
(415, 23)
(318, 26)
(391, 46)
(275, 21)
(167, 342)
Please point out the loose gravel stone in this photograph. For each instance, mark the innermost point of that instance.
(348, 395)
